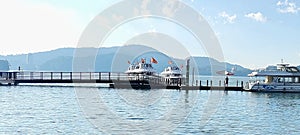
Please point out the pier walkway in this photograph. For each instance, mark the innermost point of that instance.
(115, 80)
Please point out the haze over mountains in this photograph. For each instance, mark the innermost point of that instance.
(108, 59)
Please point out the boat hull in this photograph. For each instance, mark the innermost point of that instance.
(283, 87)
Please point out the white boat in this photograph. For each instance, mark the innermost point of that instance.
(283, 79)
(228, 73)
(172, 74)
(141, 68)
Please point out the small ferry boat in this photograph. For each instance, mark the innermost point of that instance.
(141, 68)
(172, 74)
(284, 78)
(227, 73)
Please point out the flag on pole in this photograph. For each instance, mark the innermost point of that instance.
(153, 60)
(181, 66)
(143, 60)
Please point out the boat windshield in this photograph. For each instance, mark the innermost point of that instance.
(175, 68)
(177, 74)
(257, 79)
(147, 66)
(292, 69)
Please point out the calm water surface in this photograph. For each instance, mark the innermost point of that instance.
(67, 110)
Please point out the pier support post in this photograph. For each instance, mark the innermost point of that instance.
(15, 83)
(187, 72)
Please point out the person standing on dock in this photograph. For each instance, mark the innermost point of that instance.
(226, 81)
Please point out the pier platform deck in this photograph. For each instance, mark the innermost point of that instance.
(115, 80)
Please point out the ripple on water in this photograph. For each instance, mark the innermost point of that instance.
(54, 110)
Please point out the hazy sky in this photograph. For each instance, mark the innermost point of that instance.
(252, 33)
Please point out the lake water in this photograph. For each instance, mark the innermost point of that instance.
(92, 110)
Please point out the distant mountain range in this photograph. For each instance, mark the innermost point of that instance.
(109, 59)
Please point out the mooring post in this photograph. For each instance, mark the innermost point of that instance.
(180, 81)
(61, 75)
(15, 75)
(41, 75)
(220, 83)
(242, 84)
(207, 83)
(211, 83)
(187, 72)
(159, 78)
(196, 82)
(100, 76)
(237, 83)
(193, 76)
(200, 83)
(31, 75)
(109, 76)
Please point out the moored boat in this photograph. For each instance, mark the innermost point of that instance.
(172, 74)
(142, 68)
(283, 79)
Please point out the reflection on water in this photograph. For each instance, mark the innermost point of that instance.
(58, 110)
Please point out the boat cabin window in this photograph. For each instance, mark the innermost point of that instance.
(131, 67)
(278, 79)
(269, 79)
(297, 79)
(286, 79)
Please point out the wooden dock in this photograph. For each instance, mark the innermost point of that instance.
(115, 80)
